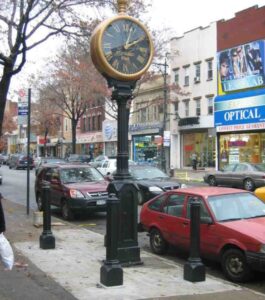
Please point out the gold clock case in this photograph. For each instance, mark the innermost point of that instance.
(98, 56)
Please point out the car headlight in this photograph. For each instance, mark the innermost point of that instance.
(262, 248)
(76, 194)
(155, 189)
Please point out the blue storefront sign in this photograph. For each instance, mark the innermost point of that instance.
(240, 108)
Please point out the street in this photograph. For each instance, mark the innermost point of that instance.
(14, 189)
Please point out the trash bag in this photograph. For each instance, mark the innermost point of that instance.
(6, 253)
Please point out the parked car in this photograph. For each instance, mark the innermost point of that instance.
(110, 165)
(20, 161)
(98, 161)
(47, 160)
(232, 227)
(151, 182)
(73, 188)
(243, 175)
(79, 158)
(260, 193)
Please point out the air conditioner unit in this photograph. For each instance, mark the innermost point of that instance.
(196, 79)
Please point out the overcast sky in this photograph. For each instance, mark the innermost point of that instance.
(181, 16)
(188, 14)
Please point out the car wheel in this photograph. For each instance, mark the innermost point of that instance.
(157, 242)
(140, 197)
(67, 214)
(212, 181)
(235, 267)
(249, 185)
(39, 202)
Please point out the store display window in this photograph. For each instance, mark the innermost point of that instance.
(241, 147)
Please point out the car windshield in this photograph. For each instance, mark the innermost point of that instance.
(147, 173)
(236, 206)
(73, 175)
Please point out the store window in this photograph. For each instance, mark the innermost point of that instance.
(241, 147)
(203, 145)
(147, 149)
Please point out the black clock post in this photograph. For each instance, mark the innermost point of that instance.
(123, 186)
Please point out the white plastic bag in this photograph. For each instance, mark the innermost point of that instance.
(6, 253)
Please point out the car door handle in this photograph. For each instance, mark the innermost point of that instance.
(185, 223)
(161, 217)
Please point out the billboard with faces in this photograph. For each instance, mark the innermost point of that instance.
(241, 67)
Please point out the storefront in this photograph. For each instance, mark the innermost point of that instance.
(203, 144)
(146, 142)
(90, 142)
(240, 126)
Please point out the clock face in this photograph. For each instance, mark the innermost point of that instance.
(126, 46)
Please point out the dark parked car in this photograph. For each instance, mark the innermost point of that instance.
(243, 175)
(73, 188)
(151, 182)
(231, 230)
(20, 161)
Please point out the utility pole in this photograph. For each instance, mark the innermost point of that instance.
(164, 123)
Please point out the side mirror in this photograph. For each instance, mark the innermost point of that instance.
(206, 220)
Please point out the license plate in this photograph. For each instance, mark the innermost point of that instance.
(101, 202)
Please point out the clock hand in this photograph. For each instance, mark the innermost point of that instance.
(129, 36)
(127, 46)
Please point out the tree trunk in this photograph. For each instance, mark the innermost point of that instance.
(4, 87)
(74, 125)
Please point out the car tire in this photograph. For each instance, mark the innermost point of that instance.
(249, 185)
(157, 243)
(235, 267)
(39, 202)
(67, 214)
(212, 181)
(140, 197)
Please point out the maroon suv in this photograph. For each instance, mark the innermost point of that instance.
(73, 188)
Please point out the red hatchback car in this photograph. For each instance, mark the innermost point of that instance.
(73, 188)
(232, 227)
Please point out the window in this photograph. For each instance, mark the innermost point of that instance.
(176, 106)
(174, 205)
(84, 125)
(197, 77)
(210, 105)
(155, 205)
(186, 107)
(88, 124)
(94, 123)
(176, 76)
(186, 76)
(99, 122)
(209, 70)
(198, 107)
(203, 210)
(143, 115)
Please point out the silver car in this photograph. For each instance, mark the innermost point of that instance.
(242, 175)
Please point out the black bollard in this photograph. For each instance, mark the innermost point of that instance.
(111, 273)
(194, 269)
(47, 240)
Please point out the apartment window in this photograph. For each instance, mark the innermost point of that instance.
(99, 122)
(197, 77)
(186, 76)
(93, 123)
(88, 126)
(176, 106)
(210, 105)
(143, 115)
(84, 124)
(198, 107)
(176, 76)
(186, 107)
(209, 70)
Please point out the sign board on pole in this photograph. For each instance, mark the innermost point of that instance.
(166, 139)
(22, 117)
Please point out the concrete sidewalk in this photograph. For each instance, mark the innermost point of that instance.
(72, 270)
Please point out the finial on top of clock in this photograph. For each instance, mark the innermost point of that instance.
(122, 6)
